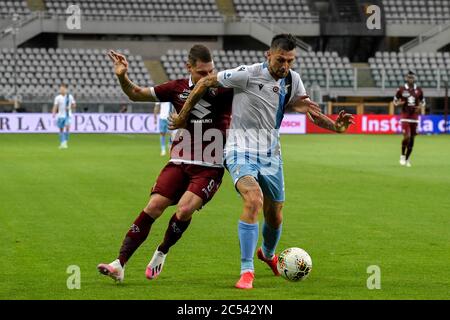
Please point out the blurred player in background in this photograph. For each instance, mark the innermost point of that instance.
(262, 94)
(410, 98)
(63, 106)
(163, 109)
(185, 181)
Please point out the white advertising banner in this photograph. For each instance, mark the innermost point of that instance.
(109, 123)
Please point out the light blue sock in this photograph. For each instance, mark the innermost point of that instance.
(248, 239)
(162, 140)
(66, 136)
(61, 137)
(271, 237)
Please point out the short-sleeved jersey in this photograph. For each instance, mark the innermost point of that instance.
(165, 109)
(412, 98)
(258, 107)
(64, 104)
(213, 111)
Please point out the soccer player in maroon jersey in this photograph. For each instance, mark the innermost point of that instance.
(410, 98)
(194, 172)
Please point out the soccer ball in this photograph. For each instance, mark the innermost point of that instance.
(294, 264)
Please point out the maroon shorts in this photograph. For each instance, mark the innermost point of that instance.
(175, 179)
(409, 128)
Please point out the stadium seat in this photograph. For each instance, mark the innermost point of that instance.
(173, 62)
(80, 68)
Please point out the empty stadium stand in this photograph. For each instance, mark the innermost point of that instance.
(9, 7)
(430, 67)
(187, 10)
(88, 72)
(313, 66)
(417, 11)
(284, 11)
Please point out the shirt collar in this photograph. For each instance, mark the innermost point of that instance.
(191, 84)
(407, 87)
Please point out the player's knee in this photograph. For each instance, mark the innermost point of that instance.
(185, 211)
(274, 219)
(253, 203)
(154, 209)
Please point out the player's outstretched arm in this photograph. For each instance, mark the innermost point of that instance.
(179, 120)
(132, 90)
(343, 121)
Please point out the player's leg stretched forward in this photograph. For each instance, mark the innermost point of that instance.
(179, 222)
(248, 228)
(271, 232)
(136, 236)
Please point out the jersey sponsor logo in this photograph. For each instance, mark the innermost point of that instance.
(405, 94)
(201, 109)
(213, 92)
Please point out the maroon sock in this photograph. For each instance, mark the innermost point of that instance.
(405, 143)
(135, 236)
(174, 232)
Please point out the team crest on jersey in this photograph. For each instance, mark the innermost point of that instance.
(405, 94)
(260, 86)
(183, 96)
(227, 75)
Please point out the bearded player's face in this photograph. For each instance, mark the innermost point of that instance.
(280, 62)
(200, 70)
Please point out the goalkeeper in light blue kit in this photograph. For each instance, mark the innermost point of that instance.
(63, 106)
(262, 94)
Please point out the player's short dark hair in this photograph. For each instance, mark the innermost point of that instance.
(64, 85)
(410, 73)
(283, 41)
(199, 52)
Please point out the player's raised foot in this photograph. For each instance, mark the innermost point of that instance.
(113, 270)
(155, 265)
(408, 163)
(246, 280)
(402, 160)
(272, 263)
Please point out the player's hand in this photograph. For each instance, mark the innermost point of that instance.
(304, 105)
(176, 122)
(120, 63)
(343, 121)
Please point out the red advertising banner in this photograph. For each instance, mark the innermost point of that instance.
(366, 124)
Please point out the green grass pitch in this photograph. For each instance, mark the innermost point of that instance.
(348, 203)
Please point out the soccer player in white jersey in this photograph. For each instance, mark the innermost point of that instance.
(63, 106)
(163, 109)
(262, 93)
